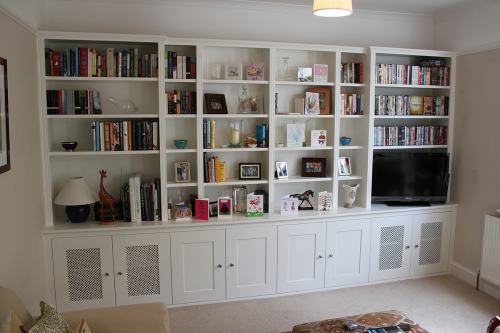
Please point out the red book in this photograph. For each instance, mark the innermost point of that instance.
(361, 72)
(201, 208)
(84, 61)
(56, 64)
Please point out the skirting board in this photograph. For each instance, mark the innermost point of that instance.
(469, 277)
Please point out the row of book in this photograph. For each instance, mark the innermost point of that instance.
(208, 134)
(127, 135)
(73, 102)
(179, 67)
(214, 170)
(141, 200)
(411, 105)
(412, 75)
(410, 135)
(350, 104)
(181, 102)
(90, 62)
(352, 72)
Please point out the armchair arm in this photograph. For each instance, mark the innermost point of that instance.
(151, 318)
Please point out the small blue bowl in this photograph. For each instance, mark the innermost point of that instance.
(69, 145)
(180, 143)
(345, 141)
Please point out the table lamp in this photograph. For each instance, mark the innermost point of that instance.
(77, 197)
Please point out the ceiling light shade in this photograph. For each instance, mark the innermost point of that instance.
(332, 8)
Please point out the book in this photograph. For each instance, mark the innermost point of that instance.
(428, 106)
(295, 135)
(202, 211)
(320, 73)
(416, 105)
(255, 205)
(318, 138)
(311, 106)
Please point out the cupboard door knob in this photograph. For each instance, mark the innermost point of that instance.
(407, 247)
(416, 246)
(120, 273)
(106, 274)
(219, 266)
(320, 257)
(330, 256)
(231, 265)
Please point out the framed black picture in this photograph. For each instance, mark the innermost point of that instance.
(4, 119)
(250, 171)
(215, 103)
(313, 167)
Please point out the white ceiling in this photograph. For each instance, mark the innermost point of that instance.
(400, 6)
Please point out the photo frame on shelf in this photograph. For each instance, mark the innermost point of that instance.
(182, 172)
(345, 166)
(312, 104)
(4, 119)
(305, 74)
(213, 209)
(320, 73)
(281, 170)
(224, 208)
(233, 72)
(313, 167)
(255, 72)
(318, 138)
(325, 94)
(250, 171)
(215, 103)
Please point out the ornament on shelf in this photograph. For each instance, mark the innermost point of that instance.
(305, 204)
(107, 205)
(124, 105)
(349, 194)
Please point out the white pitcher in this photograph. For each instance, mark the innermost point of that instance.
(349, 194)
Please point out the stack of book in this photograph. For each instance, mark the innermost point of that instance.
(214, 170)
(352, 72)
(125, 135)
(410, 135)
(350, 104)
(141, 201)
(208, 134)
(411, 105)
(179, 67)
(90, 62)
(73, 102)
(435, 74)
(181, 102)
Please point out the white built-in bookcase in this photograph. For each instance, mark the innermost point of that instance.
(149, 95)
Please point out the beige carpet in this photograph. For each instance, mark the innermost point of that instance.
(439, 304)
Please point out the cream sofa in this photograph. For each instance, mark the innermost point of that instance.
(151, 318)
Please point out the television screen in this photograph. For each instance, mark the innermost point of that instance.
(410, 177)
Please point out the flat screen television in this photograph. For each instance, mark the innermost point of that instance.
(410, 177)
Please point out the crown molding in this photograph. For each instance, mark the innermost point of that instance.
(18, 19)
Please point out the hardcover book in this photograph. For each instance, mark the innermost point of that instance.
(428, 105)
(201, 208)
(416, 105)
(312, 104)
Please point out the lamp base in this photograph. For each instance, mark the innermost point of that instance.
(78, 214)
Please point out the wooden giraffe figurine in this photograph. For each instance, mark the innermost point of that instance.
(107, 202)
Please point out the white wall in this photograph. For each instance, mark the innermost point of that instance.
(31, 12)
(469, 27)
(22, 265)
(240, 20)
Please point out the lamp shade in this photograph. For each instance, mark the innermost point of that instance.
(332, 8)
(75, 192)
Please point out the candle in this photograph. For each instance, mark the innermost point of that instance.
(235, 136)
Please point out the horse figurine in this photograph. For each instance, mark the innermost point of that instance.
(107, 203)
(304, 197)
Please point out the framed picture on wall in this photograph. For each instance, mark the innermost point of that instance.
(4, 119)
(215, 103)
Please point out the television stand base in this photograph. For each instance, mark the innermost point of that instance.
(409, 203)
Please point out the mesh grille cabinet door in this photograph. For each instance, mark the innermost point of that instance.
(142, 268)
(391, 247)
(431, 243)
(83, 272)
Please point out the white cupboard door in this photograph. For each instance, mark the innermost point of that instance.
(431, 243)
(391, 248)
(347, 252)
(83, 273)
(251, 255)
(301, 257)
(142, 268)
(198, 266)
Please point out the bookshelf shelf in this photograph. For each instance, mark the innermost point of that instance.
(235, 115)
(353, 85)
(298, 83)
(180, 81)
(411, 117)
(353, 116)
(105, 79)
(410, 86)
(102, 153)
(302, 148)
(304, 116)
(180, 151)
(234, 150)
(233, 182)
(410, 147)
(180, 116)
(256, 82)
(346, 178)
(350, 147)
(178, 185)
(298, 179)
(104, 116)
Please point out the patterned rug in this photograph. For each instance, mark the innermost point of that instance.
(365, 321)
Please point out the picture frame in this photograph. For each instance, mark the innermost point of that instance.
(319, 138)
(255, 71)
(250, 171)
(224, 208)
(345, 166)
(4, 119)
(311, 106)
(281, 170)
(313, 167)
(215, 103)
(305, 74)
(182, 172)
(325, 94)
(233, 72)
(213, 209)
(320, 73)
